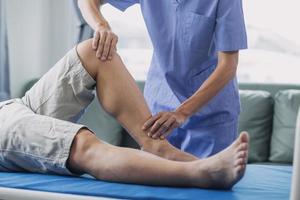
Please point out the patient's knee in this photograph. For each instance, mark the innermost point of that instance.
(79, 152)
(88, 58)
(91, 63)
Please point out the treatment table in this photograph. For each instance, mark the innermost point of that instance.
(260, 182)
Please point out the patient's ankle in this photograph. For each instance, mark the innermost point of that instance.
(165, 150)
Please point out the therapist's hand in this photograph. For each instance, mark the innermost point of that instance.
(104, 42)
(162, 124)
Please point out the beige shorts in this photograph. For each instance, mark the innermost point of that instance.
(36, 132)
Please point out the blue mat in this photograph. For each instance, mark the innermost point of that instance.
(260, 182)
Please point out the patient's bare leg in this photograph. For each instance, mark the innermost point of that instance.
(120, 96)
(106, 162)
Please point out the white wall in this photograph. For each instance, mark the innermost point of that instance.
(40, 32)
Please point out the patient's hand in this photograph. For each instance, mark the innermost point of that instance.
(162, 124)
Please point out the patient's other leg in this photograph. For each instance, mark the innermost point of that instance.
(120, 96)
(111, 163)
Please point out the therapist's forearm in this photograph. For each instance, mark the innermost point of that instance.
(91, 13)
(209, 89)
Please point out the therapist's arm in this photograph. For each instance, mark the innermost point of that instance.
(163, 123)
(104, 41)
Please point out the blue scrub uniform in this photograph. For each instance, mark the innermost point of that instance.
(187, 36)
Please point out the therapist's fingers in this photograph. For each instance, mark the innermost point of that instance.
(101, 44)
(96, 40)
(113, 47)
(171, 128)
(157, 125)
(106, 48)
(164, 128)
(150, 122)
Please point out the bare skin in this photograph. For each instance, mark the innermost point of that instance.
(116, 91)
(110, 163)
(228, 167)
(163, 123)
(122, 98)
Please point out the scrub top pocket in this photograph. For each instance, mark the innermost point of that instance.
(198, 32)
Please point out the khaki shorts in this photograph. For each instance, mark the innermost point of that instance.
(36, 132)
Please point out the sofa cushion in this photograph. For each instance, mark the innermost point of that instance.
(287, 103)
(105, 127)
(256, 118)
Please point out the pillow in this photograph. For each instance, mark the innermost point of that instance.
(287, 103)
(256, 118)
(104, 126)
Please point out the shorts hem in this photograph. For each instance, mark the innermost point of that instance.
(69, 138)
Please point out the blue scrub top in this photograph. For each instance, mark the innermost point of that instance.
(187, 36)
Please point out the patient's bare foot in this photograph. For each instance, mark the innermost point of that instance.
(227, 167)
(164, 149)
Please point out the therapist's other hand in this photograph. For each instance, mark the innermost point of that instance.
(162, 124)
(104, 42)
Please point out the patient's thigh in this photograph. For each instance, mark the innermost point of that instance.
(64, 91)
(32, 142)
